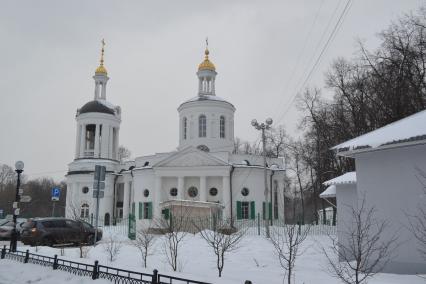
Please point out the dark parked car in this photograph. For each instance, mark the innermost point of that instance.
(52, 231)
(7, 226)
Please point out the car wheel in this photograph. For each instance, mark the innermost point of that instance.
(48, 242)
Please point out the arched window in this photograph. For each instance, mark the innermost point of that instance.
(222, 127)
(202, 123)
(84, 211)
(185, 127)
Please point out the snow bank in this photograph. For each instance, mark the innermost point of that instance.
(255, 260)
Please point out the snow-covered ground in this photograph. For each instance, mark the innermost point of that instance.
(255, 261)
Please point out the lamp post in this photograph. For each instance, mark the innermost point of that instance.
(264, 126)
(19, 168)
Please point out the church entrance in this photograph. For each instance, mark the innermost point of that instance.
(106, 220)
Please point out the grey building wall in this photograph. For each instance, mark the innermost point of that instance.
(388, 179)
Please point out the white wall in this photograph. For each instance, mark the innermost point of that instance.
(388, 179)
(212, 110)
(346, 196)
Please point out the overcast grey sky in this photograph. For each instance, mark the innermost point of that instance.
(262, 51)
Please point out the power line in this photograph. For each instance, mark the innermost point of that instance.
(319, 58)
(299, 56)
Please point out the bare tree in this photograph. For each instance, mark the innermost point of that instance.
(7, 175)
(287, 241)
(144, 242)
(222, 239)
(300, 171)
(112, 246)
(175, 229)
(363, 250)
(73, 212)
(123, 154)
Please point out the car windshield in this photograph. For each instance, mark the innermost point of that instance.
(29, 224)
(86, 225)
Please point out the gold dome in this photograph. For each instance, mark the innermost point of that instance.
(206, 64)
(101, 69)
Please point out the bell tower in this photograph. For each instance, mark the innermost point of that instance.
(98, 121)
(206, 75)
(206, 121)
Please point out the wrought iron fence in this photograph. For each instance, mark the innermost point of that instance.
(95, 270)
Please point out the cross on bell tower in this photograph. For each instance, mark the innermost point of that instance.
(101, 77)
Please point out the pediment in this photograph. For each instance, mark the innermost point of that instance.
(191, 158)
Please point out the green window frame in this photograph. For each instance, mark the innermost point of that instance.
(239, 210)
(264, 208)
(252, 210)
(166, 213)
(147, 210)
(140, 210)
(251, 214)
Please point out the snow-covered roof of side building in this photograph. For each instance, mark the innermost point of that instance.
(409, 130)
(329, 192)
(346, 178)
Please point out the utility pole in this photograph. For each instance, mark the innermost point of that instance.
(98, 187)
(19, 168)
(264, 126)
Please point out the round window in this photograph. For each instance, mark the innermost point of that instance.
(192, 191)
(173, 191)
(245, 191)
(85, 189)
(146, 193)
(213, 191)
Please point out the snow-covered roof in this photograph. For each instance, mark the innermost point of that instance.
(346, 178)
(206, 98)
(329, 192)
(411, 129)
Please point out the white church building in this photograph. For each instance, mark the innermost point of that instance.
(202, 175)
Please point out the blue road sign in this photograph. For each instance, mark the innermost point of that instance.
(56, 193)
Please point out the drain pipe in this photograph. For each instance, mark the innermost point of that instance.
(230, 192)
(272, 211)
(114, 203)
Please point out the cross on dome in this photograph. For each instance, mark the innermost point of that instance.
(101, 69)
(206, 64)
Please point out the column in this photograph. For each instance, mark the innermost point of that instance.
(82, 139)
(96, 90)
(77, 141)
(156, 197)
(96, 153)
(199, 85)
(110, 132)
(226, 197)
(180, 188)
(117, 141)
(104, 143)
(203, 189)
(126, 200)
(213, 88)
(103, 93)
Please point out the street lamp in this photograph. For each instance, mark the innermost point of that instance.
(264, 126)
(19, 168)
